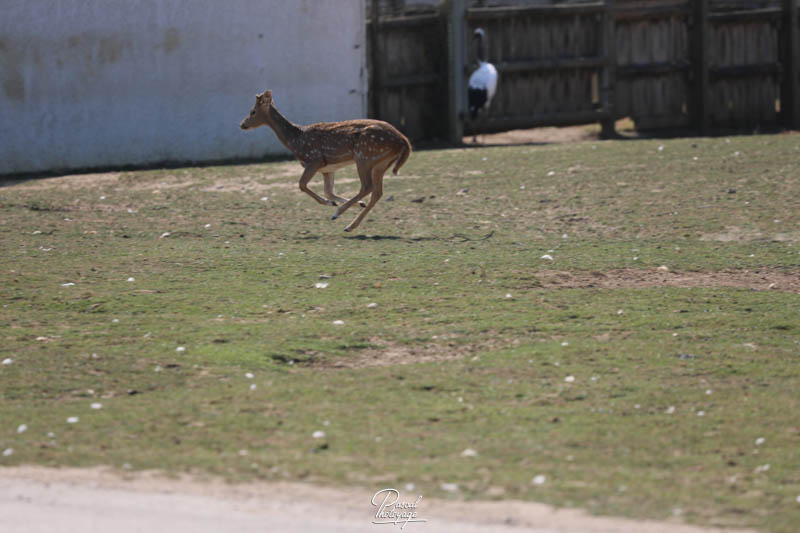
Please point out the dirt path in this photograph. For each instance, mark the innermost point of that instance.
(36, 499)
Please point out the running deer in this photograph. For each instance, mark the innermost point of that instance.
(373, 145)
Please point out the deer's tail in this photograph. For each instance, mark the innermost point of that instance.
(403, 156)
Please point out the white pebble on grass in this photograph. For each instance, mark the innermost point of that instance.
(760, 441)
(96, 405)
(72, 420)
(70, 284)
(249, 375)
(321, 285)
(338, 322)
(469, 452)
(508, 295)
(7, 452)
(569, 379)
(547, 257)
(670, 409)
(539, 480)
(253, 386)
(7, 361)
(449, 487)
(131, 279)
(180, 349)
(318, 434)
(372, 305)
(22, 428)
(701, 413)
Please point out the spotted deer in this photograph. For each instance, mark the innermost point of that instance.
(373, 145)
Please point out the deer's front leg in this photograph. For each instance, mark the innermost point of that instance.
(308, 173)
(328, 179)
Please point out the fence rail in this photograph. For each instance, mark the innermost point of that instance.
(703, 64)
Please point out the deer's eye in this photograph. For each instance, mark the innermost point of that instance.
(252, 112)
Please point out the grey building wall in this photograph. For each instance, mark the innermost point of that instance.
(92, 83)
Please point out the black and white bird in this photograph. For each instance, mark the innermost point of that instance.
(483, 81)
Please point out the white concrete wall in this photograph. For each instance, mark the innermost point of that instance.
(93, 83)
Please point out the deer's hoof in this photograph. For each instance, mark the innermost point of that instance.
(348, 229)
(334, 217)
(362, 204)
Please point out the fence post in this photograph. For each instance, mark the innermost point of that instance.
(456, 60)
(373, 63)
(700, 56)
(790, 89)
(609, 79)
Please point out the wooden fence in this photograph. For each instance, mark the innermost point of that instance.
(708, 65)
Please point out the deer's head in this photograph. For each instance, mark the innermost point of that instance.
(260, 113)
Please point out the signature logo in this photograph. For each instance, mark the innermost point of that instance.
(393, 511)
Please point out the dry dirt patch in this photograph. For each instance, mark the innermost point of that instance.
(393, 354)
(72, 181)
(539, 135)
(630, 278)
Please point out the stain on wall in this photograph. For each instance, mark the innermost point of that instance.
(10, 76)
(172, 39)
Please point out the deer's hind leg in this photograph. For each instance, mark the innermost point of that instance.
(364, 169)
(376, 172)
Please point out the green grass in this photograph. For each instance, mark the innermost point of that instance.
(234, 285)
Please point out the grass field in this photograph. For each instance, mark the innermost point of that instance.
(621, 318)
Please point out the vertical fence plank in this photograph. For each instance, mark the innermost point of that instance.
(608, 96)
(457, 61)
(700, 56)
(790, 90)
(373, 61)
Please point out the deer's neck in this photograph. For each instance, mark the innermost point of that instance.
(286, 131)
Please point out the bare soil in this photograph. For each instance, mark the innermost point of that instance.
(539, 136)
(662, 277)
(38, 499)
